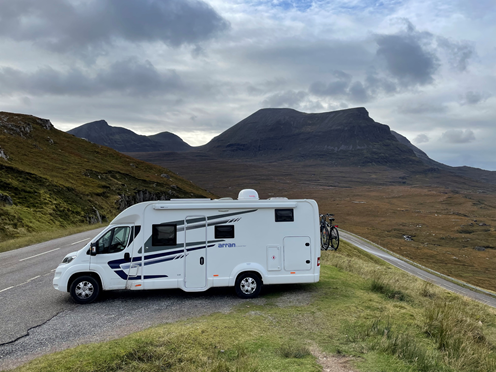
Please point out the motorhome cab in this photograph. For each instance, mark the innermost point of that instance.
(195, 244)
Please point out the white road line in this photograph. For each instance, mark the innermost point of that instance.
(6, 289)
(36, 255)
(81, 241)
(33, 278)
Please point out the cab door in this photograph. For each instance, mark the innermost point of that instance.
(114, 260)
(195, 270)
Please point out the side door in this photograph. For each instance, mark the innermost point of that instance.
(195, 251)
(114, 252)
(297, 253)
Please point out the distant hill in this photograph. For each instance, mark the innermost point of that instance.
(342, 138)
(50, 179)
(125, 140)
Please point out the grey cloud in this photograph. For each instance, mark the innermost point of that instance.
(342, 86)
(358, 93)
(337, 87)
(128, 77)
(289, 98)
(422, 107)
(459, 53)
(65, 25)
(473, 98)
(408, 56)
(421, 138)
(458, 136)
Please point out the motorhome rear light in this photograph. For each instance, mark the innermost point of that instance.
(318, 261)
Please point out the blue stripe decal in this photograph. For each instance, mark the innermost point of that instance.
(151, 260)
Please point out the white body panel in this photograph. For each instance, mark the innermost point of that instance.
(173, 244)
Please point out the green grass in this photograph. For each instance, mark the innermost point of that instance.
(43, 236)
(346, 315)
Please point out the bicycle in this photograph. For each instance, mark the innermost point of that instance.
(329, 235)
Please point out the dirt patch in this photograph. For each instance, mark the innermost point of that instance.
(332, 363)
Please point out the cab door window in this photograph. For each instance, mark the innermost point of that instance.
(114, 240)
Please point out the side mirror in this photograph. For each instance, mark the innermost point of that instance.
(127, 257)
(93, 249)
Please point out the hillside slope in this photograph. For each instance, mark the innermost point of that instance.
(50, 179)
(125, 140)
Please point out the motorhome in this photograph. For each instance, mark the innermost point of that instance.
(196, 244)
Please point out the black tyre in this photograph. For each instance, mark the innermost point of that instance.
(334, 238)
(248, 285)
(85, 289)
(324, 238)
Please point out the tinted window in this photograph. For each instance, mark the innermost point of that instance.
(224, 232)
(284, 215)
(164, 235)
(114, 240)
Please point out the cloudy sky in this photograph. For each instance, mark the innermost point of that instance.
(197, 67)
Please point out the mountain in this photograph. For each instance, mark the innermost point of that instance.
(125, 140)
(341, 138)
(51, 179)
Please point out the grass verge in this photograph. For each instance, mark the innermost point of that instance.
(43, 236)
(344, 314)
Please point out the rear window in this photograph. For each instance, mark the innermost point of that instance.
(163, 235)
(284, 215)
(224, 232)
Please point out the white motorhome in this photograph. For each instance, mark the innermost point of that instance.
(196, 244)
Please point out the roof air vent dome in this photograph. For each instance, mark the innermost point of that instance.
(248, 194)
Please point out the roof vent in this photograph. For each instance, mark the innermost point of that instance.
(248, 194)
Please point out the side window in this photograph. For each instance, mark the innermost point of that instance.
(163, 235)
(114, 240)
(284, 215)
(224, 232)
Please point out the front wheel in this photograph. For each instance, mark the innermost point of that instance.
(334, 238)
(85, 289)
(248, 285)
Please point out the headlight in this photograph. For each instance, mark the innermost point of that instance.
(68, 259)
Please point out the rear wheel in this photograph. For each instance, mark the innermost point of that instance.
(334, 238)
(324, 238)
(85, 289)
(248, 285)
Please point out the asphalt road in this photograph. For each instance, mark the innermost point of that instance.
(35, 319)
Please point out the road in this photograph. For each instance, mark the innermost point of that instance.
(36, 319)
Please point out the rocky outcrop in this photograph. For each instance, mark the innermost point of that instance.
(139, 196)
(3, 155)
(5, 199)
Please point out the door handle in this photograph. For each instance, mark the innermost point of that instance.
(202, 260)
(308, 261)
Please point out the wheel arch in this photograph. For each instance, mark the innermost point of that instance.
(87, 273)
(247, 268)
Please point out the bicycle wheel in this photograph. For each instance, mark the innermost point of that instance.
(334, 238)
(324, 238)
